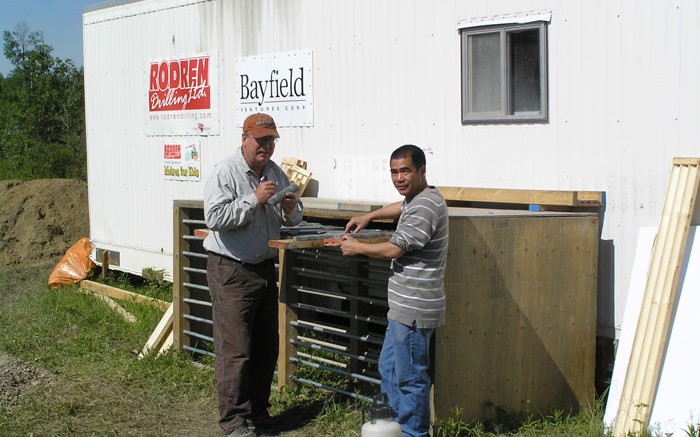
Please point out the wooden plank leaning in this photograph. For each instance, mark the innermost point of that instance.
(118, 293)
(679, 212)
(113, 305)
(162, 337)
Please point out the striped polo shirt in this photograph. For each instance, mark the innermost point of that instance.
(416, 287)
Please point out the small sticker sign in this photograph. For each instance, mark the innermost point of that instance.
(182, 161)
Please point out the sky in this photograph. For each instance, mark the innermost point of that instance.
(61, 21)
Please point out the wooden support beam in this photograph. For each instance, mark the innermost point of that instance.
(652, 333)
(113, 305)
(162, 336)
(524, 197)
(105, 264)
(285, 367)
(167, 342)
(118, 293)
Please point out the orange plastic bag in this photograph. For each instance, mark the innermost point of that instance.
(74, 266)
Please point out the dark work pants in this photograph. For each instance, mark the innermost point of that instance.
(246, 339)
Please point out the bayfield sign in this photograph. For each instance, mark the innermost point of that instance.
(278, 84)
(183, 96)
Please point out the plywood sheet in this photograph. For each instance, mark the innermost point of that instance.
(521, 316)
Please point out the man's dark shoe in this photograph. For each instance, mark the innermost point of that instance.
(264, 421)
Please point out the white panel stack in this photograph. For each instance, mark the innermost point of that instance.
(659, 301)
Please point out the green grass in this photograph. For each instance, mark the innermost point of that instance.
(588, 423)
(99, 388)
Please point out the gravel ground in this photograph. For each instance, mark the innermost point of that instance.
(17, 377)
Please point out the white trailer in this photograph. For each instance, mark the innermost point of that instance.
(613, 99)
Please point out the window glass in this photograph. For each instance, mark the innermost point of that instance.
(485, 82)
(525, 70)
(504, 73)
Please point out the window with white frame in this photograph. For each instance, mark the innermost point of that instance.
(504, 69)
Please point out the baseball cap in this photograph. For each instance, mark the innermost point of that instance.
(260, 125)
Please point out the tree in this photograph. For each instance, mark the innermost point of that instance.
(42, 111)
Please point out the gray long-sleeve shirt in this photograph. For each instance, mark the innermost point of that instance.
(240, 226)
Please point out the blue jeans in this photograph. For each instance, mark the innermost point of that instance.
(403, 365)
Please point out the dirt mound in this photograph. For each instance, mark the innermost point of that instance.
(41, 219)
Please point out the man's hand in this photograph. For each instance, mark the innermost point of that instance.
(357, 223)
(349, 246)
(265, 190)
(289, 203)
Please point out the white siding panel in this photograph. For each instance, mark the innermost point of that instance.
(130, 202)
(623, 101)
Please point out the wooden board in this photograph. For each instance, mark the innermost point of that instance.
(113, 305)
(191, 304)
(660, 297)
(521, 315)
(285, 314)
(525, 197)
(167, 342)
(118, 293)
(162, 336)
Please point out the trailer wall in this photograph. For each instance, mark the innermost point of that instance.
(622, 87)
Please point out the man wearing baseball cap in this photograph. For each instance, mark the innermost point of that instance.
(241, 273)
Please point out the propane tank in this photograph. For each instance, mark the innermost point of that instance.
(380, 424)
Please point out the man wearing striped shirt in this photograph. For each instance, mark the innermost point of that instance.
(416, 292)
